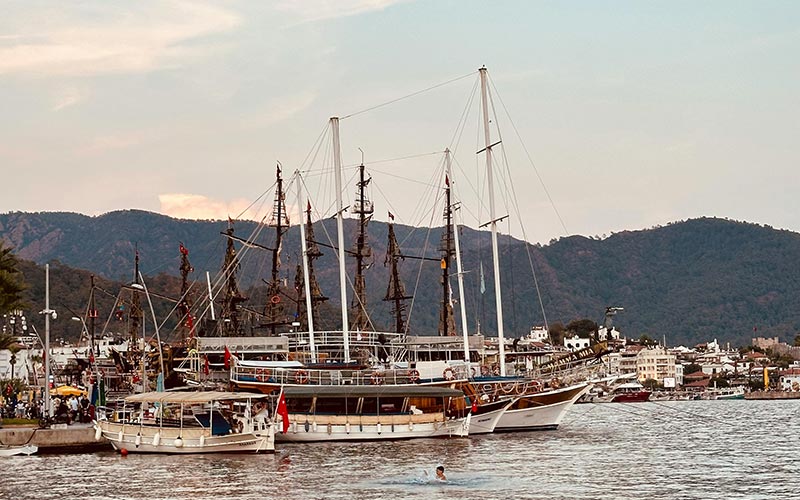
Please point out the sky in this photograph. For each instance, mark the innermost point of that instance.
(614, 115)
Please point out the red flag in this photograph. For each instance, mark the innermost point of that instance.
(183, 249)
(206, 367)
(283, 411)
(227, 357)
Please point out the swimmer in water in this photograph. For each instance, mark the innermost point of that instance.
(440, 473)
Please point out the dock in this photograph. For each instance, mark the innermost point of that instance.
(60, 438)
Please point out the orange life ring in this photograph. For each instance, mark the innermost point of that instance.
(376, 378)
(262, 374)
(448, 374)
(413, 376)
(301, 377)
(275, 299)
(535, 385)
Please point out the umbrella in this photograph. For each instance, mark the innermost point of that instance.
(67, 390)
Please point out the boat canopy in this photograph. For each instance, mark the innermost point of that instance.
(191, 397)
(269, 364)
(369, 391)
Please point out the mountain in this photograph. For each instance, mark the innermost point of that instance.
(690, 281)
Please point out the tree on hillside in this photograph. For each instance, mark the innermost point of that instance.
(797, 340)
(584, 328)
(557, 332)
(11, 284)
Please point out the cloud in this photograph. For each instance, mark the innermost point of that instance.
(197, 206)
(107, 39)
(317, 10)
(68, 96)
(105, 143)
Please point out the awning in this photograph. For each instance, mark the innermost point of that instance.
(191, 396)
(67, 390)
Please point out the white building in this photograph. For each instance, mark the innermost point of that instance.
(576, 343)
(656, 364)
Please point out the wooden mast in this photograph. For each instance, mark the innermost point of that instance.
(364, 209)
(396, 291)
(447, 325)
(280, 221)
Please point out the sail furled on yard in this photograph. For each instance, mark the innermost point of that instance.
(363, 207)
(312, 254)
(447, 322)
(232, 297)
(396, 291)
(184, 305)
(274, 308)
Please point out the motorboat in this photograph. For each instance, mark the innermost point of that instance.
(182, 422)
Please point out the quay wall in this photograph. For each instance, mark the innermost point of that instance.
(54, 439)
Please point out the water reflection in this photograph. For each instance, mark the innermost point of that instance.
(694, 449)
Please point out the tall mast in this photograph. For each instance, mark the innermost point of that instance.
(493, 222)
(136, 308)
(363, 207)
(184, 306)
(92, 317)
(232, 297)
(446, 319)
(309, 292)
(337, 164)
(280, 221)
(396, 291)
(459, 270)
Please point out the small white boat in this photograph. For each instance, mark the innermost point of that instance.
(10, 451)
(191, 422)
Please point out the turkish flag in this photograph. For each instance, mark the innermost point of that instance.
(206, 367)
(283, 411)
(227, 357)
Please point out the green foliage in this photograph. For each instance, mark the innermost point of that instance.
(584, 328)
(692, 281)
(652, 384)
(646, 340)
(11, 284)
(691, 368)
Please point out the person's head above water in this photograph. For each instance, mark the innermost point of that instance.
(440, 472)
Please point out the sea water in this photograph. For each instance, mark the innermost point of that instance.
(733, 449)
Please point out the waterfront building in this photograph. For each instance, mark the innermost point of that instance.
(655, 364)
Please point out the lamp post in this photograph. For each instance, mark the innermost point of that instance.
(48, 313)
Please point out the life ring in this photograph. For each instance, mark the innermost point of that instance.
(262, 374)
(448, 374)
(413, 376)
(485, 370)
(508, 388)
(301, 377)
(275, 299)
(376, 378)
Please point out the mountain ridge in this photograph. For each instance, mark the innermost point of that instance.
(690, 281)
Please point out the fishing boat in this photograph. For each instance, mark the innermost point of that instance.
(10, 451)
(190, 422)
(371, 413)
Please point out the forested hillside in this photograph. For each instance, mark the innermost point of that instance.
(689, 281)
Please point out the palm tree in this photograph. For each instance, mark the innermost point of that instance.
(11, 284)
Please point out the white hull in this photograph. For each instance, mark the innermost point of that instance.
(150, 439)
(544, 416)
(302, 433)
(486, 423)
